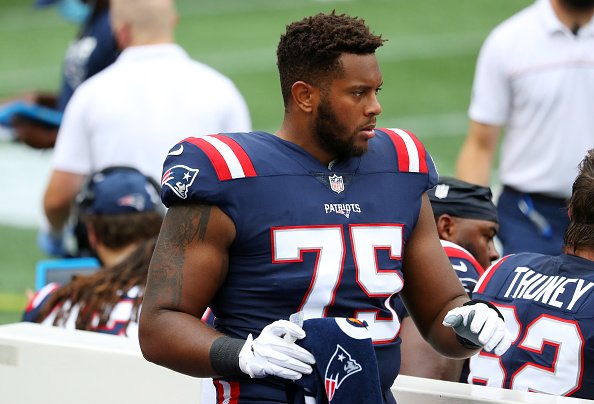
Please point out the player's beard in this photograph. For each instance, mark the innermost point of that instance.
(331, 133)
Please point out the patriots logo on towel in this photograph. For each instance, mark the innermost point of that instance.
(355, 322)
(340, 366)
(179, 178)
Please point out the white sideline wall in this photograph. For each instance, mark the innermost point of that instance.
(41, 364)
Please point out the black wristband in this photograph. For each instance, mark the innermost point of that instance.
(224, 356)
(466, 343)
(491, 305)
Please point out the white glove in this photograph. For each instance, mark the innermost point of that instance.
(481, 325)
(274, 353)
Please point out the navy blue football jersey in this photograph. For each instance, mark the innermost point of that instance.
(122, 319)
(327, 241)
(91, 52)
(548, 307)
(466, 266)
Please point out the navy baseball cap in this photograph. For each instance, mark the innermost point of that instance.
(462, 199)
(118, 190)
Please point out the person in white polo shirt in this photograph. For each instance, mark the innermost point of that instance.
(131, 113)
(534, 78)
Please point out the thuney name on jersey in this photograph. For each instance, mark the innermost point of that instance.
(557, 291)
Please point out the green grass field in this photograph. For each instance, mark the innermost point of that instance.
(427, 66)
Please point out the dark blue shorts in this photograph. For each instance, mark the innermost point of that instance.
(525, 232)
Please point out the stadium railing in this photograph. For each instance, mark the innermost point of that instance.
(40, 364)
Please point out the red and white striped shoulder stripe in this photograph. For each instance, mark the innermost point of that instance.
(40, 295)
(453, 250)
(229, 159)
(412, 156)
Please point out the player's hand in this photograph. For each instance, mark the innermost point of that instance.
(274, 353)
(51, 243)
(480, 325)
(34, 133)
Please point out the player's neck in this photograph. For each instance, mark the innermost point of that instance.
(581, 252)
(304, 137)
(571, 17)
(110, 256)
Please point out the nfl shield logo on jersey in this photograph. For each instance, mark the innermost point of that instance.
(336, 183)
(340, 366)
(179, 178)
(441, 191)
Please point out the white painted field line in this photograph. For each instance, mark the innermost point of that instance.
(259, 60)
(429, 126)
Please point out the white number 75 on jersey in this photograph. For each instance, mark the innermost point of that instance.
(289, 243)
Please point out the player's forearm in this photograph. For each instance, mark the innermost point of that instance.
(33, 133)
(57, 213)
(477, 153)
(474, 165)
(59, 195)
(177, 341)
(443, 339)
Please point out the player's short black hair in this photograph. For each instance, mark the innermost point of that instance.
(580, 232)
(309, 49)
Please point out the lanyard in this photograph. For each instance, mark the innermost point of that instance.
(526, 206)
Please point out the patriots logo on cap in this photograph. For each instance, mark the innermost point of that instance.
(340, 366)
(179, 178)
(135, 201)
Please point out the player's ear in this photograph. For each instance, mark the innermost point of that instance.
(446, 226)
(305, 96)
(91, 235)
(122, 33)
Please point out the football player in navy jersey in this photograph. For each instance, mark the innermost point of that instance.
(466, 220)
(327, 217)
(122, 213)
(548, 305)
(91, 51)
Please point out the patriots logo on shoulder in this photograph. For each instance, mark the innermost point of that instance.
(340, 366)
(179, 178)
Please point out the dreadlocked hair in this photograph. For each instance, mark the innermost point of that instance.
(309, 50)
(98, 294)
(580, 232)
